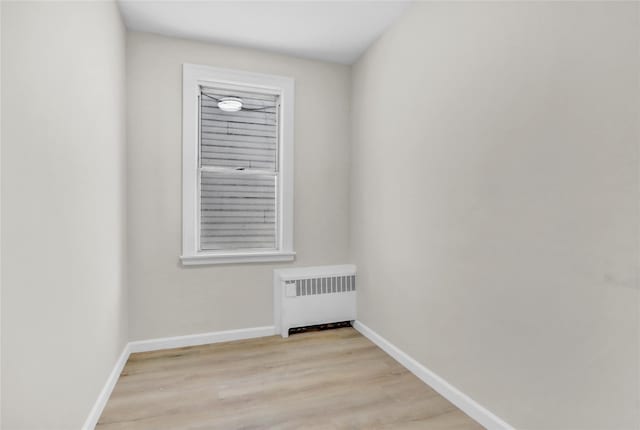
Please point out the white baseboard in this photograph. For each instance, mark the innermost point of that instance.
(448, 391)
(105, 393)
(166, 343)
(200, 339)
(465, 403)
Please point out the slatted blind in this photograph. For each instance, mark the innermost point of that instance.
(238, 172)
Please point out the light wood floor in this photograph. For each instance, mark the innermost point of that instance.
(334, 379)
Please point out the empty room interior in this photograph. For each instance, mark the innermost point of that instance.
(319, 215)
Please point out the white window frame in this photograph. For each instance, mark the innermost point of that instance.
(193, 77)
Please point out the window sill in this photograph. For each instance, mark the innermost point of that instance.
(263, 257)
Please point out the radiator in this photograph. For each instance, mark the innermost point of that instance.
(306, 296)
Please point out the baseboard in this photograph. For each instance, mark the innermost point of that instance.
(166, 343)
(200, 339)
(105, 393)
(465, 403)
(448, 391)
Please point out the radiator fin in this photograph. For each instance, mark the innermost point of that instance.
(324, 285)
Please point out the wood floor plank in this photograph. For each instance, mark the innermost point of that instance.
(334, 379)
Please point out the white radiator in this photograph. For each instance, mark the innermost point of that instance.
(306, 296)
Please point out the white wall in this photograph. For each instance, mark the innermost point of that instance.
(494, 210)
(63, 196)
(0, 216)
(167, 299)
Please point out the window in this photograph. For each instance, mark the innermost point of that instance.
(237, 166)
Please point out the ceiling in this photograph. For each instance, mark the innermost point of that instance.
(336, 31)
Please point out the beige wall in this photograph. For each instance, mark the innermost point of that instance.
(494, 209)
(167, 299)
(63, 196)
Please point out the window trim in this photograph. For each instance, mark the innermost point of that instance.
(194, 76)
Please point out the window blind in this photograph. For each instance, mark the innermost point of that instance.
(238, 172)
